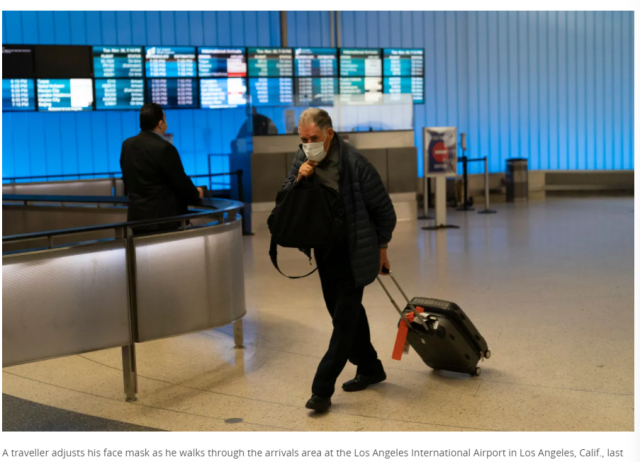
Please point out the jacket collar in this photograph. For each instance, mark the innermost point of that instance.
(152, 134)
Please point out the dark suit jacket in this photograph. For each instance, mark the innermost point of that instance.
(155, 180)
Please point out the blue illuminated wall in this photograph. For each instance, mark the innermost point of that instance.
(554, 87)
(50, 144)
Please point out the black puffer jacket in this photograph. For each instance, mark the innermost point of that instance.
(370, 215)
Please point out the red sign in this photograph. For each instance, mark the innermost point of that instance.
(440, 152)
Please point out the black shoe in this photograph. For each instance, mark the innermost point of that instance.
(318, 403)
(363, 381)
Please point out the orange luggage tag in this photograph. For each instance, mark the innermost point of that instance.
(401, 338)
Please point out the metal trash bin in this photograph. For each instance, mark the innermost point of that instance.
(517, 179)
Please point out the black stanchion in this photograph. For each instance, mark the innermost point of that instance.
(465, 200)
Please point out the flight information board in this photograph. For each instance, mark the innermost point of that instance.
(270, 62)
(405, 85)
(363, 89)
(63, 62)
(316, 62)
(223, 93)
(119, 94)
(316, 91)
(222, 62)
(271, 92)
(110, 62)
(173, 93)
(403, 62)
(56, 95)
(18, 95)
(171, 62)
(360, 62)
(17, 62)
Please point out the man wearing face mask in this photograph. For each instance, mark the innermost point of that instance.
(153, 174)
(355, 258)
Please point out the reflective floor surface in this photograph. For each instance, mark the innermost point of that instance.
(549, 284)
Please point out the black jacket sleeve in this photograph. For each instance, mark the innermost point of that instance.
(378, 202)
(174, 171)
(298, 160)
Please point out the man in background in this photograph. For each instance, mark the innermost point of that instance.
(153, 173)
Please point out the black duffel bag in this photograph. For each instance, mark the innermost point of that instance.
(307, 215)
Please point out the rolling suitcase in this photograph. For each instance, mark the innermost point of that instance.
(441, 333)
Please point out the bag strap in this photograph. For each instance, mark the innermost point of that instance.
(273, 253)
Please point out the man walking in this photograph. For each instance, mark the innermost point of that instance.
(354, 260)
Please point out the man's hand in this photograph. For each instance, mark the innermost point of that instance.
(384, 261)
(200, 192)
(307, 169)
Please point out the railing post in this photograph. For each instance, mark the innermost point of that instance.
(243, 213)
(129, 372)
(210, 176)
(240, 186)
(486, 188)
(129, 366)
(238, 333)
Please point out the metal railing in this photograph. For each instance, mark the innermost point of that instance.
(27, 199)
(108, 175)
(223, 211)
(78, 176)
(115, 175)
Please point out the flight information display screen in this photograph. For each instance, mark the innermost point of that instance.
(223, 93)
(17, 62)
(360, 62)
(173, 93)
(171, 62)
(403, 62)
(18, 95)
(316, 62)
(405, 85)
(55, 95)
(63, 62)
(222, 62)
(125, 62)
(363, 89)
(316, 91)
(119, 94)
(270, 62)
(271, 92)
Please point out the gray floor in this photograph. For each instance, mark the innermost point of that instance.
(549, 284)
(19, 415)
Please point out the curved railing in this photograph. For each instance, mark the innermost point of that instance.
(71, 289)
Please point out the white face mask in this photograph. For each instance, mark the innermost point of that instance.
(314, 151)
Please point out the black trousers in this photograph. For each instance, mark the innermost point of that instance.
(350, 340)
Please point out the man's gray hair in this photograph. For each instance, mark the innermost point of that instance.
(313, 115)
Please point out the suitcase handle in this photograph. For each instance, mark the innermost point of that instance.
(388, 271)
(409, 304)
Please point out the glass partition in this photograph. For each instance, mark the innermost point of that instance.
(354, 112)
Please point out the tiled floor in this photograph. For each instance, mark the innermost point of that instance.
(549, 284)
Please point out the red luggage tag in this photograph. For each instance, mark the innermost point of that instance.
(401, 337)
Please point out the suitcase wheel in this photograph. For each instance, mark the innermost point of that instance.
(477, 372)
(487, 354)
